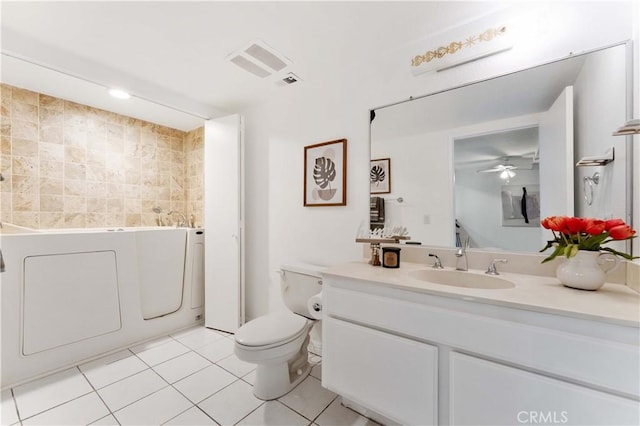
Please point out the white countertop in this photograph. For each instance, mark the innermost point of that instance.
(613, 303)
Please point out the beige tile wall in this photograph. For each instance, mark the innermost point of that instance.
(194, 152)
(68, 165)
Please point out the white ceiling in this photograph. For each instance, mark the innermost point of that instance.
(174, 53)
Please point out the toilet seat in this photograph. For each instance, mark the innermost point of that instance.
(271, 331)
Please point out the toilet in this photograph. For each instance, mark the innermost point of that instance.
(278, 342)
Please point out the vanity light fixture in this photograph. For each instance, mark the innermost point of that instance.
(631, 127)
(119, 93)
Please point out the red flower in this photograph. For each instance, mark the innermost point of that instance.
(594, 226)
(574, 225)
(621, 232)
(555, 223)
(613, 223)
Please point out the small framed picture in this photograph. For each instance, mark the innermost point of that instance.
(520, 205)
(380, 176)
(325, 174)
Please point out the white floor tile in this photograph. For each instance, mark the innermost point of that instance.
(193, 416)
(131, 389)
(276, 414)
(204, 383)
(231, 404)
(81, 411)
(197, 338)
(109, 369)
(8, 409)
(339, 415)
(106, 421)
(154, 409)
(309, 398)
(314, 359)
(40, 395)
(316, 371)
(217, 350)
(250, 378)
(235, 366)
(181, 366)
(162, 353)
(150, 344)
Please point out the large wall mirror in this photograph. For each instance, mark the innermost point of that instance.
(487, 160)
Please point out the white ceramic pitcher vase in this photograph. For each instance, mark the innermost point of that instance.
(587, 270)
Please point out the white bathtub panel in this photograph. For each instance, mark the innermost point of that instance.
(161, 258)
(17, 368)
(62, 291)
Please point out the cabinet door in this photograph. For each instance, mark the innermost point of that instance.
(487, 393)
(223, 220)
(390, 375)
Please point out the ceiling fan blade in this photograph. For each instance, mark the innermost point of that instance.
(498, 168)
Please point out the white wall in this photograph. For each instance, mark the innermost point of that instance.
(421, 175)
(600, 80)
(280, 229)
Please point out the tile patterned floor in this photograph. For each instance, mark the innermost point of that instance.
(188, 378)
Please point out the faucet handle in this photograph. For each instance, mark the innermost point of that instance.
(491, 270)
(437, 264)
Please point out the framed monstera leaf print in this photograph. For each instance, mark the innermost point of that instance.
(380, 176)
(325, 174)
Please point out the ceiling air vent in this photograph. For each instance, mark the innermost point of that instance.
(259, 59)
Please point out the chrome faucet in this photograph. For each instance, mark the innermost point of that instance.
(182, 222)
(491, 270)
(461, 257)
(437, 264)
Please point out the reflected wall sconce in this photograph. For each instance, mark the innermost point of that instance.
(631, 127)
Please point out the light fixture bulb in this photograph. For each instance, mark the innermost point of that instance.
(507, 174)
(119, 94)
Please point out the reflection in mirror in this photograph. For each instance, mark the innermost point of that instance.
(492, 173)
(570, 106)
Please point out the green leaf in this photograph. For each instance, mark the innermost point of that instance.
(559, 250)
(618, 253)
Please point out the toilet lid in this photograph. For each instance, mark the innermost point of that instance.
(270, 329)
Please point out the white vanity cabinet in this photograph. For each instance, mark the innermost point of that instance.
(396, 375)
(419, 358)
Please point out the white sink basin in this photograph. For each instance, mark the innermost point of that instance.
(461, 279)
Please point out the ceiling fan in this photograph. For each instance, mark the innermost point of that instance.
(499, 168)
(505, 171)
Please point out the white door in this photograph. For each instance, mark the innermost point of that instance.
(556, 157)
(223, 223)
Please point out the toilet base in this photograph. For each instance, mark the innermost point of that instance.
(274, 380)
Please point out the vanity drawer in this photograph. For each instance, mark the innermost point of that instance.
(595, 361)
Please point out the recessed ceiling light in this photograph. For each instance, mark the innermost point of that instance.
(119, 93)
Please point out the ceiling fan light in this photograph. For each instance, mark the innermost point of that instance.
(507, 174)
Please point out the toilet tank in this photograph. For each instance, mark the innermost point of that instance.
(298, 283)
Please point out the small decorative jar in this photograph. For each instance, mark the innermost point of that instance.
(390, 257)
(585, 270)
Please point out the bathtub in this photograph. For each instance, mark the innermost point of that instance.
(70, 295)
